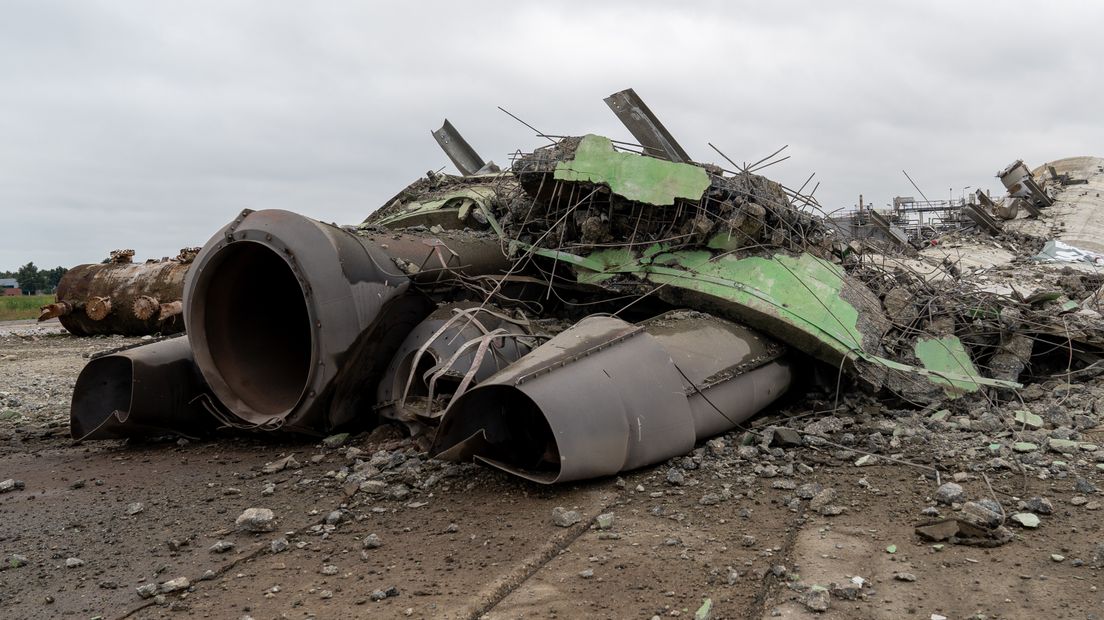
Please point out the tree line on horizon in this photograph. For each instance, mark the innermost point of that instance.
(32, 280)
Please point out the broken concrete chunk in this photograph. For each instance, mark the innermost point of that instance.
(817, 599)
(1062, 446)
(786, 438)
(279, 465)
(256, 520)
(174, 585)
(1039, 505)
(565, 518)
(1026, 519)
(823, 498)
(676, 477)
(963, 532)
(808, 490)
(1028, 420)
(950, 493)
(221, 546)
(985, 513)
(336, 441)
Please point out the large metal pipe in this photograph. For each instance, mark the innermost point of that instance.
(278, 306)
(132, 299)
(606, 396)
(148, 390)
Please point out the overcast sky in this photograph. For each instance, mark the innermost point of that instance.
(148, 125)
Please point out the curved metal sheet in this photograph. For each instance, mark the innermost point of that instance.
(606, 396)
(148, 390)
(453, 345)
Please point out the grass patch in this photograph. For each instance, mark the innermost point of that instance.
(22, 306)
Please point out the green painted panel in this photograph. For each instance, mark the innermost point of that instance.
(801, 295)
(462, 200)
(635, 177)
(802, 290)
(946, 359)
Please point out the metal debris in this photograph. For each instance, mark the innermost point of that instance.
(122, 297)
(639, 394)
(147, 390)
(600, 306)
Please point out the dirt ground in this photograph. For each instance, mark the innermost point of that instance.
(96, 521)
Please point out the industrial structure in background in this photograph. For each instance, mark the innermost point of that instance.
(916, 222)
(9, 287)
(596, 307)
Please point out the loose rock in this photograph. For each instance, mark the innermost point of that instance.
(221, 546)
(1026, 519)
(173, 585)
(950, 493)
(256, 520)
(817, 598)
(565, 518)
(675, 477)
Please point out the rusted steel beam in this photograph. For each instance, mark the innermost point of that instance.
(121, 297)
(463, 156)
(645, 126)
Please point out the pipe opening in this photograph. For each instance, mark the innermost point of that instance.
(257, 327)
(515, 428)
(103, 388)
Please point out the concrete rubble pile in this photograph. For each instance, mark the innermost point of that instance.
(592, 309)
(1022, 295)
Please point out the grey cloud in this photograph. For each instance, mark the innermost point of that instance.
(148, 125)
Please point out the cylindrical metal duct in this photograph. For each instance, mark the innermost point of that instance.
(458, 343)
(606, 396)
(120, 298)
(279, 305)
(148, 390)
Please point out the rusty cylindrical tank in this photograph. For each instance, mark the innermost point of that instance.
(121, 297)
(283, 312)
